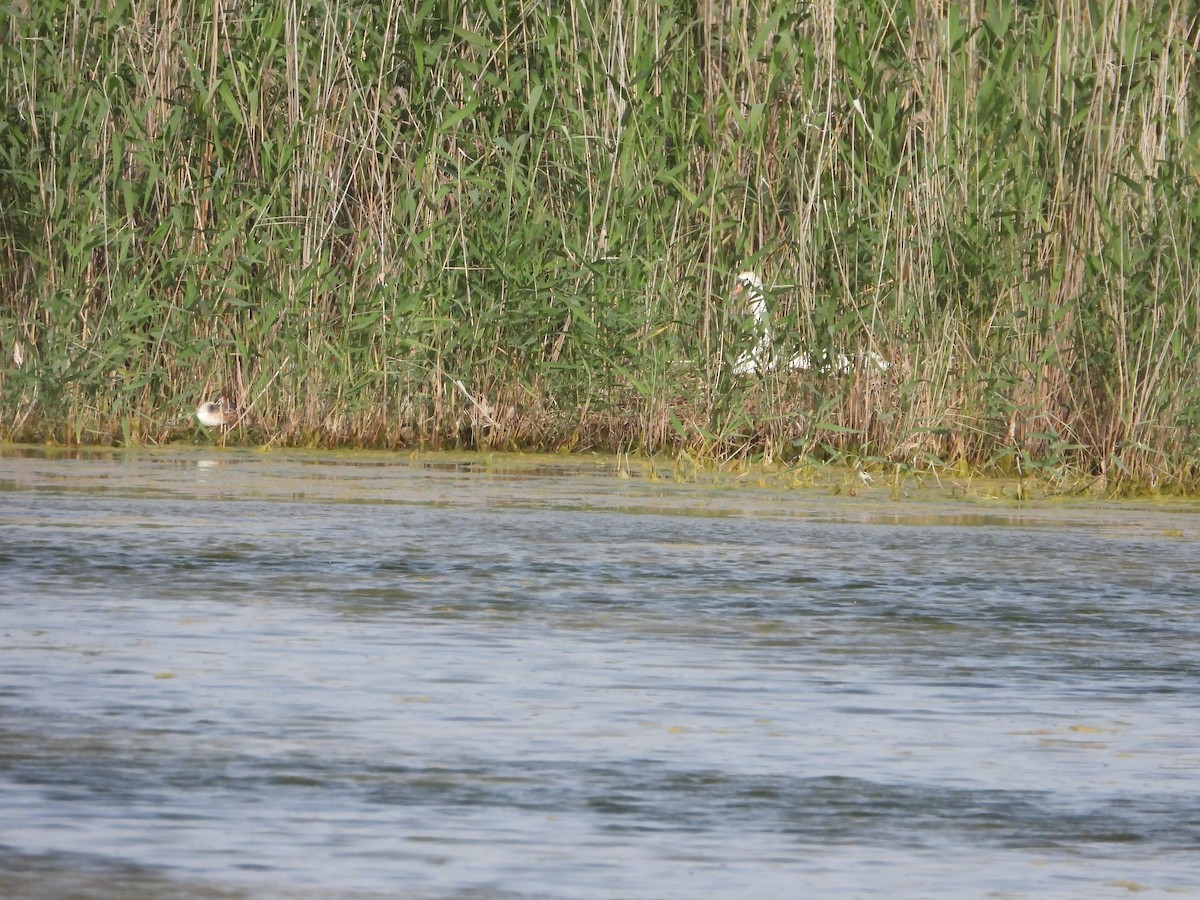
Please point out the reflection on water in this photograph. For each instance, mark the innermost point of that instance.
(228, 674)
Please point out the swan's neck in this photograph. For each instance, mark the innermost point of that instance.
(758, 308)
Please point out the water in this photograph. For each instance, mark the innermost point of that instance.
(230, 674)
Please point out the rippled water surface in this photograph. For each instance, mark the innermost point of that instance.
(231, 674)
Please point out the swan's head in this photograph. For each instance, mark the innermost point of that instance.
(747, 284)
(747, 280)
(218, 413)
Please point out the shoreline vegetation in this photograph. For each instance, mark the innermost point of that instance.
(646, 476)
(515, 227)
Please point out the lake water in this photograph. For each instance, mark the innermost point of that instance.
(240, 674)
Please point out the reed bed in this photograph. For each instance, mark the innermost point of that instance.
(515, 225)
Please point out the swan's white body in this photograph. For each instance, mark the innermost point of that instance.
(219, 413)
(762, 357)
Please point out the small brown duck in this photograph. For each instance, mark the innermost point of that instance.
(219, 413)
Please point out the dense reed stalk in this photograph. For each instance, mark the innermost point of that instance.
(514, 224)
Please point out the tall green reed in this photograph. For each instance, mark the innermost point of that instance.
(515, 226)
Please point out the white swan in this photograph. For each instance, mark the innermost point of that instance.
(219, 413)
(762, 357)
